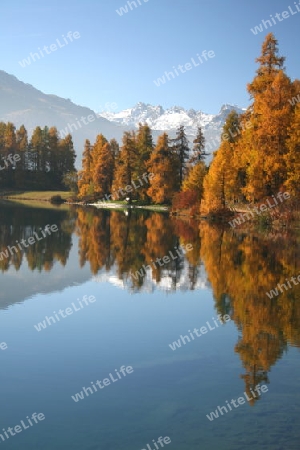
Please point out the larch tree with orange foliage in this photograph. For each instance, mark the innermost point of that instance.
(125, 168)
(104, 171)
(271, 116)
(293, 155)
(163, 164)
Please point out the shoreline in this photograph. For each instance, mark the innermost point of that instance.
(99, 205)
(109, 205)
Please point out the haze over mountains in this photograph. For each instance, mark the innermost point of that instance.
(21, 103)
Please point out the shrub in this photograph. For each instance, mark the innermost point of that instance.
(185, 200)
(56, 200)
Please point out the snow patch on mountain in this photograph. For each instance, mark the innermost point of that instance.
(160, 120)
(169, 282)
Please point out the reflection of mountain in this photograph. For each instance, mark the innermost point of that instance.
(166, 284)
(43, 267)
(17, 286)
(241, 270)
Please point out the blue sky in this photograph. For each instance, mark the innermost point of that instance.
(117, 58)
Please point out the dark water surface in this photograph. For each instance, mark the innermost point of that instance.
(132, 322)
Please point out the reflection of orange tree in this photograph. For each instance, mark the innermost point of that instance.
(160, 240)
(241, 270)
(128, 235)
(188, 232)
(93, 227)
(109, 237)
(132, 241)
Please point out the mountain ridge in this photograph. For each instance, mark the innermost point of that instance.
(153, 114)
(23, 104)
(169, 119)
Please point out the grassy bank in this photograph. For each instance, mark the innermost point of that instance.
(40, 196)
(35, 199)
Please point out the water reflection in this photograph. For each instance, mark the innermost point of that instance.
(239, 268)
(126, 243)
(242, 269)
(21, 223)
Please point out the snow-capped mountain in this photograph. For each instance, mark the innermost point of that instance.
(160, 119)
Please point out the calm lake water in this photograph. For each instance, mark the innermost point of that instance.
(134, 319)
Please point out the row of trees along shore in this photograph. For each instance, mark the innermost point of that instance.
(152, 173)
(259, 154)
(40, 163)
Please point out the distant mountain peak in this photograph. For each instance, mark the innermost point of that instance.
(229, 107)
(161, 119)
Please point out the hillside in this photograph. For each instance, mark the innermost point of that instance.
(21, 103)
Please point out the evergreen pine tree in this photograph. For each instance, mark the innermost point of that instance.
(199, 147)
(85, 175)
(181, 149)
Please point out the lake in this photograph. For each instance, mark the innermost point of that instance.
(123, 327)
